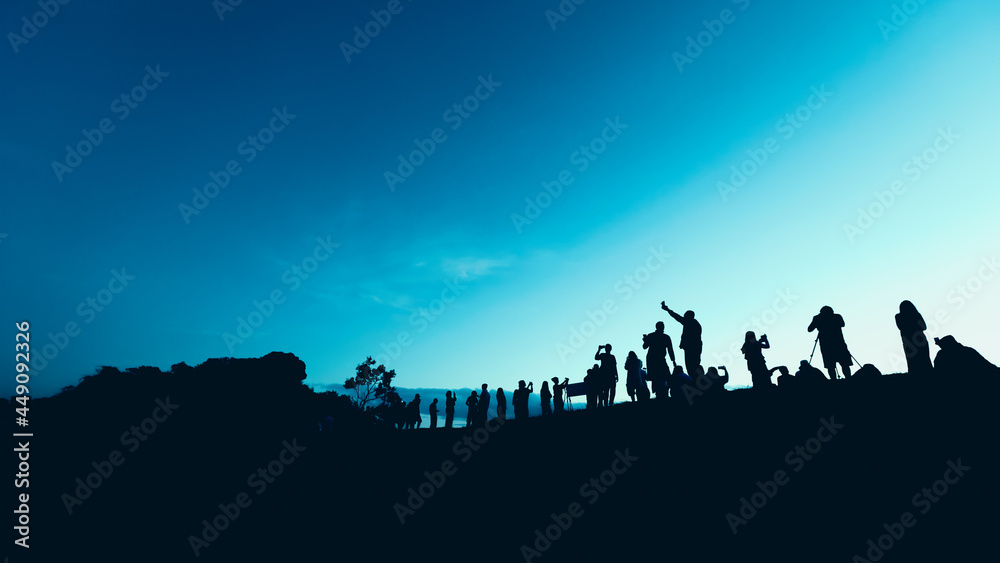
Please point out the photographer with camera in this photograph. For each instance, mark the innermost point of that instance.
(558, 392)
(831, 341)
(609, 375)
(520, 399)
(752, 351)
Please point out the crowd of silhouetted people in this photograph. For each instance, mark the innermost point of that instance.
(661, 380)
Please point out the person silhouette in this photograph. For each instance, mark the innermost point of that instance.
(546, 396)
(501, 405)
(917, 350)
(415, 418)
(760, 376)
(785, 380)
(658, 346)
(690, 340)
(867, 372)
(831, 341)
(632, 367)
(592, 379)
(809, 375)
(433, 410)
(718, 381)
(609, 371)
(558, 391)
(677, 381)
(407, 415)
(643, 392)
(484, 406)
(449, 408)
(525, 397)
(472, 402)
(521, 400)
(957, 360)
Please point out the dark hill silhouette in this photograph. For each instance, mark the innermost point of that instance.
(335, 499)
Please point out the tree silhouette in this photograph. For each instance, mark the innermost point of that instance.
(371, 383)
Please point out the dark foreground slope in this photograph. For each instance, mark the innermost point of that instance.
(686, 468)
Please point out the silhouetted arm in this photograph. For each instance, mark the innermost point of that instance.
(812, 325)
(670, 351)
(672, 313)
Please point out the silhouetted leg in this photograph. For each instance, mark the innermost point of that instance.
(833, 372)
(847, 369)
(692, 363)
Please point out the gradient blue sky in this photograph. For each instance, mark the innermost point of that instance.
(655, 186)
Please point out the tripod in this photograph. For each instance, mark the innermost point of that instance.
(814, 350)
(814, 353)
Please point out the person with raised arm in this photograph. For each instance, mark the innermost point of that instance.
(690, 340)
(609, 374)
(752, 352)
(558, 391)
(450, 398)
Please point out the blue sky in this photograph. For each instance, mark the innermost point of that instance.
(359, 266)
